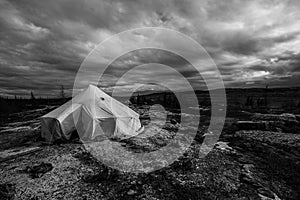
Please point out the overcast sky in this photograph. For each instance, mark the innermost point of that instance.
(43, 43)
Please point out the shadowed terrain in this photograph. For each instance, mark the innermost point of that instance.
(257, 157)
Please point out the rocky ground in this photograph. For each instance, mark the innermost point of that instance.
(254, 159)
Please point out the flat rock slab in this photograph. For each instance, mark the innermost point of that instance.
(16, 152)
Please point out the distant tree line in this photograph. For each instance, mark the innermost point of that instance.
(12, 104)
(167, 99)
(258, 102)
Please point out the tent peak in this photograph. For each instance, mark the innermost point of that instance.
(92, 86)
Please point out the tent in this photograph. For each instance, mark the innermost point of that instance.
(94, 114)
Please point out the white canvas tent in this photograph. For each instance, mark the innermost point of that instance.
(94, 114)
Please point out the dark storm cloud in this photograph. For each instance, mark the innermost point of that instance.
(42, 43)
(145, 56)
(243, 43)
